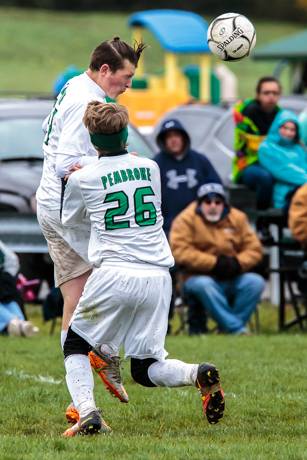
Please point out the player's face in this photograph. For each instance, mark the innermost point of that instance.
(116, 83)
(212, 208)
(269, 95)
(288, 130)
(174, 142)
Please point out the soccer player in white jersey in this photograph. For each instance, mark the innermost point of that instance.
(67, 147)
(126, 298)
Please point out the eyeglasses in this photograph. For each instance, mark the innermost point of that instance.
(216, 201)
(266, 93)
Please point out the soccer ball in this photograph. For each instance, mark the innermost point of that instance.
(231, 36)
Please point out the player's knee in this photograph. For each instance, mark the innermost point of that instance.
(139, 371)
(75, 345)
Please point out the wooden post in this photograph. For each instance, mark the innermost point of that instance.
(170, 72)
(204, 78)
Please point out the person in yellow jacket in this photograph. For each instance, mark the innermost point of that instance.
(216, 247)
(298, 215)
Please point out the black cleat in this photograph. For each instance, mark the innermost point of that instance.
(92, 423)
(212, 395)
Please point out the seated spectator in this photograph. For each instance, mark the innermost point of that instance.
(297, 221)
(284, 157)
(253, 118)
(12, 318)
(182, 171)
(298, 215)
(216, 246)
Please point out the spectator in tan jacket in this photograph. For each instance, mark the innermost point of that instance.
(298, 215)
(216, 247)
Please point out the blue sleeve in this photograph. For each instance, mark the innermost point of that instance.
(279, 165)
(157, 159)
(210, 171)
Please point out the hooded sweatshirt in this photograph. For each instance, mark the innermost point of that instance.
(181, 178)
(285, 159)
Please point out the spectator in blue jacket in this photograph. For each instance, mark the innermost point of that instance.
(183, 170)
(283, 155)
(303, 126)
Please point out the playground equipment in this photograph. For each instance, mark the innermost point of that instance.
(290, 52)
(178, 32)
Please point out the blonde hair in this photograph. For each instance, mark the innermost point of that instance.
(106, 118)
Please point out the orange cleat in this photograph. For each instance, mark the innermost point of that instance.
(72, 414)
(107, 367)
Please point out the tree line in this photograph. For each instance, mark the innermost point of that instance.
(290, 10)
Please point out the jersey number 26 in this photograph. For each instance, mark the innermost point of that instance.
(145, 214)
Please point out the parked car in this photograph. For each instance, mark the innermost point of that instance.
(21, 155)
(212, 129)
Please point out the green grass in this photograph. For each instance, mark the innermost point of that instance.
(35, 46)
(264, 377)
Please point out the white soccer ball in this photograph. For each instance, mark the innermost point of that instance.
(231, 36)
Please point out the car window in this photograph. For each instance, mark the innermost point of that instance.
(198, 125)
(197, 122)
(136, 143)
(21, 138)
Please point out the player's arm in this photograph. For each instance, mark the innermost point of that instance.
(73, 143)
(66, 164)
(74, 210)
(156, 179)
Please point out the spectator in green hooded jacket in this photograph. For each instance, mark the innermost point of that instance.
(253, 118)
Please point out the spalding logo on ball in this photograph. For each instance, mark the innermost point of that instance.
(231, 36)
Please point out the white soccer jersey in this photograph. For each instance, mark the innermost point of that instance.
(66, 134)
(122, 196)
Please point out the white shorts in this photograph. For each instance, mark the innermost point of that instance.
(126, 304)
(68, 251)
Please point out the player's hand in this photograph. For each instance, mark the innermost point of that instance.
(72, 169)
(75, 167)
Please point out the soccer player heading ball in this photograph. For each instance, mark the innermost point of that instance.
(126, 299)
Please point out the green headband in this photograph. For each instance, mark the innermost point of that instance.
(110, 142)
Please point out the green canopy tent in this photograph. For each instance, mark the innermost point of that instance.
(291, 50)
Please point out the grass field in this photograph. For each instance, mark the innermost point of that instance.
(35, 46)
(264, 377)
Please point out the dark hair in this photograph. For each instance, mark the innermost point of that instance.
(268, 79)
(114, 52)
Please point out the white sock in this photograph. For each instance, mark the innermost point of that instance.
(80, 383)
(172, 373)
(63, 338)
